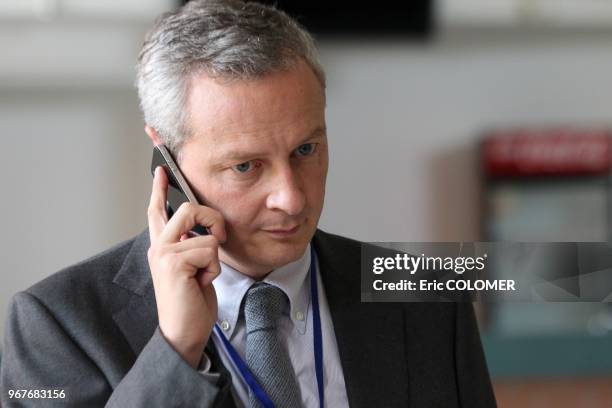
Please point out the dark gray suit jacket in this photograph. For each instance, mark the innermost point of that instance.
(92, 330)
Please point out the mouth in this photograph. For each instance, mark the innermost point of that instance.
(283, 232)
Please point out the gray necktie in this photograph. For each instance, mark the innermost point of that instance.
(265, 354)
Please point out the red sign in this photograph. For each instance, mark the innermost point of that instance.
(547, 152)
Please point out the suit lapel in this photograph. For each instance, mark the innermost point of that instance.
(370, 336)
(137, 319)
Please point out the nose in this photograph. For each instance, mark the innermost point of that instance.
(286, 194)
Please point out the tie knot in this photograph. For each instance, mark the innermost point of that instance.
(263, 306)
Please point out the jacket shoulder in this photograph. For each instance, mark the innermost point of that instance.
(337, 240)
(337, 244)
(86, 282)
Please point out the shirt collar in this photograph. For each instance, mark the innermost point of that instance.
(231, 286)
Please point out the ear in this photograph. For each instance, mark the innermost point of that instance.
(152, 133)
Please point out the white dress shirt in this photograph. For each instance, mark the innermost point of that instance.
(296, 331)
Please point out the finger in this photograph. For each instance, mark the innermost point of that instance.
(187, 216)
(199, 241)
(205, 259)
(156, 212)
(205, 278)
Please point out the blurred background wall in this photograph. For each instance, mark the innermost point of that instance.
(404, 116)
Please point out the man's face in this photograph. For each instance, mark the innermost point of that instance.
(258, 154)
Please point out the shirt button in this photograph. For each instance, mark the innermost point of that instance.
(225, 325)
(299, 316)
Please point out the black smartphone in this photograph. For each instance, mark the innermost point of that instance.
(179, 191)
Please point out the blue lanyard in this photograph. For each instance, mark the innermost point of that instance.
(248, 376)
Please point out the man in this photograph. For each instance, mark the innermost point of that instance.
(266, 308)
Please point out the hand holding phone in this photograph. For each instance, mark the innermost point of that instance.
(182, 270)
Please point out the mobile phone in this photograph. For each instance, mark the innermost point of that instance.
(179, 191)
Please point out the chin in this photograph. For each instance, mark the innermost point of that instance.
(281, 253)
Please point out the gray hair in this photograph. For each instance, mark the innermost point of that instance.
(227, 39)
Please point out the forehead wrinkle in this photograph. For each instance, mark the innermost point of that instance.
(237, 132)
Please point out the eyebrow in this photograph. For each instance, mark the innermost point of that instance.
(237, 156)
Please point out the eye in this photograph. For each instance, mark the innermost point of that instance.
(243, 167)
(306, 149)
